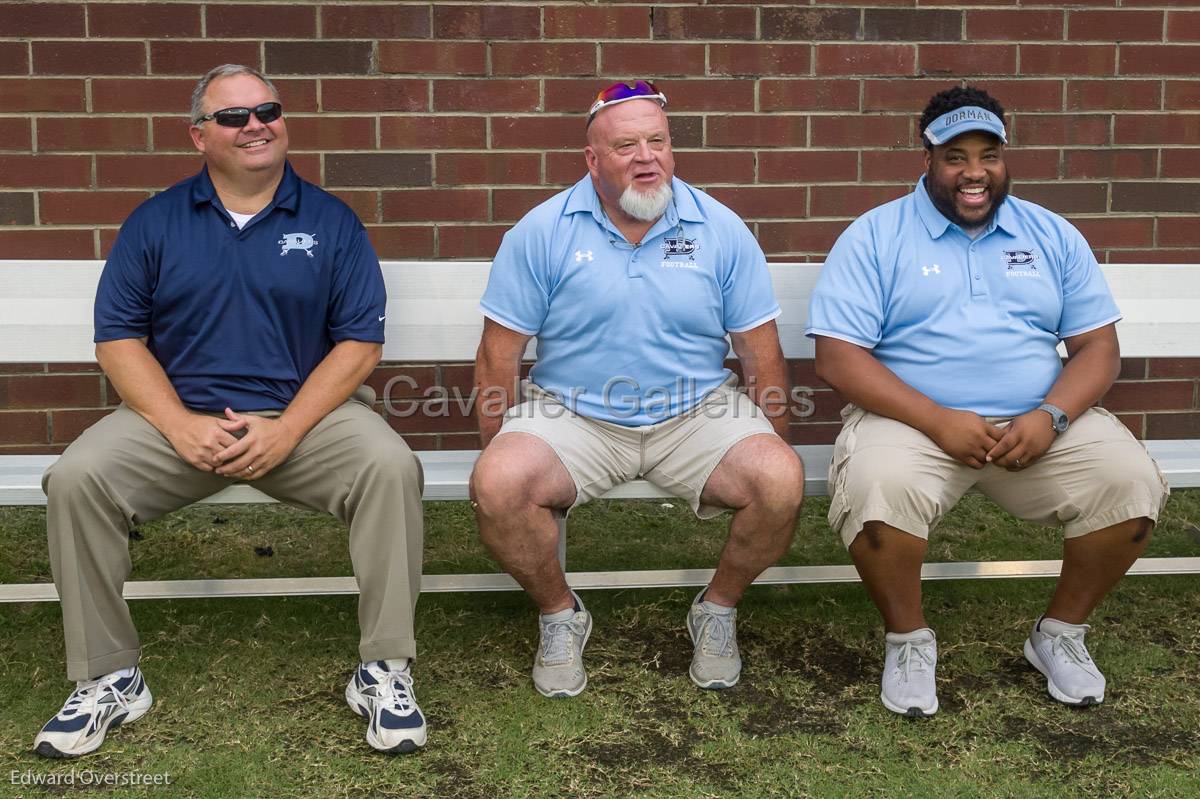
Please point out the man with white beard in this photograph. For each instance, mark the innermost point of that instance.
(631, 279)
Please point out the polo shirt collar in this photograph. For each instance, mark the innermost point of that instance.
(937, 224)
(584, 199)
(287, 193)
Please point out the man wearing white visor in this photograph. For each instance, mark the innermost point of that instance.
(937, 316)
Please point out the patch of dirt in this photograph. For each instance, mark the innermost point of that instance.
(454, 780)
(1101, 732)
(613, 759)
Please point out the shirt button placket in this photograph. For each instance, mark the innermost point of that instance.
(977, 287)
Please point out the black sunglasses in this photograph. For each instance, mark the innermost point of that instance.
(238, 116)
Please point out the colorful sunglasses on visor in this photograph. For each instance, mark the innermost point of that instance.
(238, 116)
(620, 92)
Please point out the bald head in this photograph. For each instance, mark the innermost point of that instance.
(629, 158)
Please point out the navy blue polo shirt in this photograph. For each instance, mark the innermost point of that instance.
(240, 318)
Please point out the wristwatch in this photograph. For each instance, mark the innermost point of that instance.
(1058, 417)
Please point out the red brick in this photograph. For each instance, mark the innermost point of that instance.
(757, 131)
(296, 94)
(1012, 25)
(433, 416)
(1183, 26)
(509, 205)
(912, 25)
(763, 202)
(893, 165)
(534, 58)
(575, 95)
(47, 243)
(22, 427)
(16, 208)
(806, 236)
(1115, 26)
(142, 94)
(458, 377)
(1111, 163)
(687, 131)
(1157, 395)
(652, 58)
(566, 168)
(374, 94)
(754, 59)
(1133, 369)
(469, 241)
(419, 205)
(701, 167)
(90, 58)
(486, 95)
(50, 391)
(150, 171)
(170, 135)
(1075, 129)
(1179, 231)
(1180, 163)
(865, 59)
(364, 203)
(1025, 95)
(486, 22)
(379, 21)
(1182, 94)
(815, 433)
(196, 58)
(41, 20)
(432, 132)
(958, 60)
(331, 132)
(713, 94)
(1030, 163)
(1158, 129)
(402, 242)
(1159, 59)
(143, 20)
(88, 207)
(1066, 198)
(378, 169)
(1120, 95)
(1113, 231)
(809, 24)
(852, 200)
(14, 58)
(433, 58)
(457, 169)
(1135, 422)
(808, 95)
(909, 95)
(861, 131)
(39, 171)
(319, 58)
(537, 133)
(15, 134)
(92, 134)
(1160, 196)
(591, 23)
(67, 425)
(41, 94)
(459, 441)
(1075, 59)
(1175, 367)
(259, 21)
(401, 382)
(704, 22)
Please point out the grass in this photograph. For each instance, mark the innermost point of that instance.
(249, 691)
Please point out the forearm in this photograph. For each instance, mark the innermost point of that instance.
(1088, 374)
(767, 383)
(336, 377)
(140, 380)
(496, 388)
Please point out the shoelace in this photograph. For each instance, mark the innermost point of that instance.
(394, 689)
(717, 635)
(1072, 645)
(87, 695)
(556, 641)
(913, 658)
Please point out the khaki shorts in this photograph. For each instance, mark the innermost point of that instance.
(1093, 476)
(677, 455)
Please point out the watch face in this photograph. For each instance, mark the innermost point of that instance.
(1060, 422)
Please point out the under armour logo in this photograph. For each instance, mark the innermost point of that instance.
(931, 270)
(297, 241)
(583, 255)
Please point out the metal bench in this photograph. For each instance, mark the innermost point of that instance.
(46, 316)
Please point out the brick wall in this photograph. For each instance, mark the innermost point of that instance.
(442, 123)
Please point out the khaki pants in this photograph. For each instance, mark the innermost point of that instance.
(122, 472)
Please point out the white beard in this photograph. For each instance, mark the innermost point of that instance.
(646, 206)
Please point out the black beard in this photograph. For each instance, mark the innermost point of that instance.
(946, 204)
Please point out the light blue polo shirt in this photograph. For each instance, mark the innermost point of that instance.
(973, 325)
(632, 335)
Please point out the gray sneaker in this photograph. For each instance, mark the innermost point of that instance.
(715, 659)
(558, 667)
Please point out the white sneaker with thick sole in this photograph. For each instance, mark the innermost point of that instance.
(1056, 649)
(384, 696)
(909, 671)
(716, 662)
(92, 709)
(558, 666)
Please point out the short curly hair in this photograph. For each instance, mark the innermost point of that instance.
(956, 97)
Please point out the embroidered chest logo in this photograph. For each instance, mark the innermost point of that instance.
(583, 255)
(926, 271)
(298, 241)
(675, 248)
(1020, 263)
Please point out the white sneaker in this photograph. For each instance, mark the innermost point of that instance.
(716, 662)
(909, 666)
(384, 696)
(558, 666)
(1056, 649)
(92, 709)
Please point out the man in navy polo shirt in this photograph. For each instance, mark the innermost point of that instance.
(631, 280)
(238, 315)
(938, 316)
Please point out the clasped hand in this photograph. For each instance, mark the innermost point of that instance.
(241, 445)
(970, 439)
